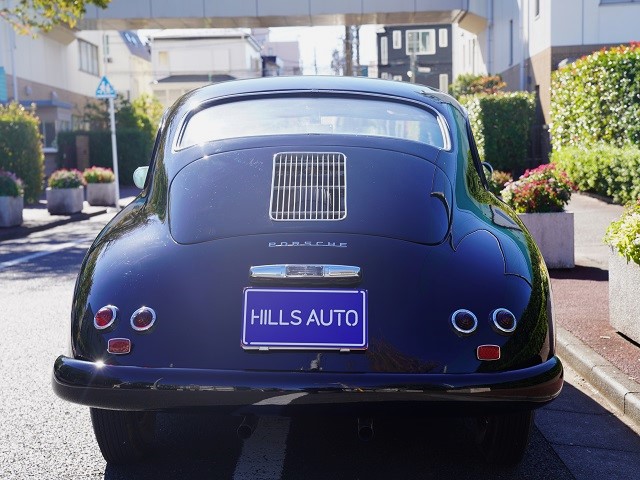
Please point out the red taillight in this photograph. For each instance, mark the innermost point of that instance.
(488, 352)
(119, 346)
(105, 317)
(504, 321)
(464, 322)
(143, 319)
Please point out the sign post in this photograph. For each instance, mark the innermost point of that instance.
(106, 90)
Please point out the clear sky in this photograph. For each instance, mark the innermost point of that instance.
(318, 43)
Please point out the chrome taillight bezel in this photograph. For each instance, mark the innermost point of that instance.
(114, 316)
(139, 311)
(499, 328)
(460, 330)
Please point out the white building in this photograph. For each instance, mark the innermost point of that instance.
(525, 40)
(184, 59)
(59, 72)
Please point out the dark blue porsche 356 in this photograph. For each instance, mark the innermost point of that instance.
(328, 241)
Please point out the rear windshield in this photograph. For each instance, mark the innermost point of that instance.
(317, 115)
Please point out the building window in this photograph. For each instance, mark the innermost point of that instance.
(397, 78)
(384, 51)
(88, 57)
(385, 76)
(421, 42)
(163, 58)
(510, 42)
(443, 82)
(443, 38)
(536, 8)
(397, 39)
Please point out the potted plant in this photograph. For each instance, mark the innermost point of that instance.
(101, 186)
(623, 235)
(65, 194)
(539, 197)
(11, 199)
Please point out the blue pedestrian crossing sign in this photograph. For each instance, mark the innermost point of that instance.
(105, 89)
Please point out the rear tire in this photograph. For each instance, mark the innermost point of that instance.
(503, 439)
(123, 437)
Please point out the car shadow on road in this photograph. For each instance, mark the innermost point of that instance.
(573, 437)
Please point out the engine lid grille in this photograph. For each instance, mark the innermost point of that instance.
(308, 186)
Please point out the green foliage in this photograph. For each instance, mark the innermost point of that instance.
(10, 185)
(603, 169)
(21, 148)
(501, 124)
(624, 234)
(541, 190)
(470, 84)
(98, 175)
(26, 15)
(597, 99)
(149, 106)
(134, 150)
(64, 178)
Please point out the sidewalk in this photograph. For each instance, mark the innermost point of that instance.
(36, 217)
(585, 340)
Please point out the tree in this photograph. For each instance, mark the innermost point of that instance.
(470, 84)
(28, 15)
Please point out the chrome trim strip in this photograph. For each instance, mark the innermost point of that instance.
(304, 271)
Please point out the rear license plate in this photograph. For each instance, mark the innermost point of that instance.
(304, 319)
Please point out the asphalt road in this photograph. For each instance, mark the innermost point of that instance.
(42, 436)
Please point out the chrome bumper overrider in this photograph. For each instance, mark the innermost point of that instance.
(138, 388)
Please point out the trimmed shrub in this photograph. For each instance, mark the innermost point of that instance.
(597, 99)
(21, 148)
(470, 84)
(134, 150)
(501, 124)
(64, 178)
(603, 169)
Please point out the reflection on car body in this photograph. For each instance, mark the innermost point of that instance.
(327, 241)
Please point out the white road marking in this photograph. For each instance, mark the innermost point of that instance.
(44, 253)
(262, 456)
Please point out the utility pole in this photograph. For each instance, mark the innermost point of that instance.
(348, 51)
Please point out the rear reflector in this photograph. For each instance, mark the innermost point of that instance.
(119, 346)
(488, 352)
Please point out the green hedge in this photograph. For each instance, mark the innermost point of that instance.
(134, 150)
(596, 99)
(501, 124)
(21, 148)
(605, 170)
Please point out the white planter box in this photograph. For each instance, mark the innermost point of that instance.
(11, 211)
(65, 201)
(624, 301)
(103, 194)
(553, 232)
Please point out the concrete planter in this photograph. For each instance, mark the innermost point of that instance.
(65, 201)
(553, 232)
(624, 301)
(103, 194)
(11, 211)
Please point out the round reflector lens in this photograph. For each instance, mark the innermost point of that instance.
(143, 319)
(105, 317)
(464, 321)
(504, 321)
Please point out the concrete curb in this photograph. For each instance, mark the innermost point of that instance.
(622, 392)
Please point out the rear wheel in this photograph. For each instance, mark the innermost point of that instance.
(503, 439)
(123, 437)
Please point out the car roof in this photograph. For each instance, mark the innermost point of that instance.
(326, 84)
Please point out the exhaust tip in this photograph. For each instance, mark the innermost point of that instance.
(247, 427)
(365, 429)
